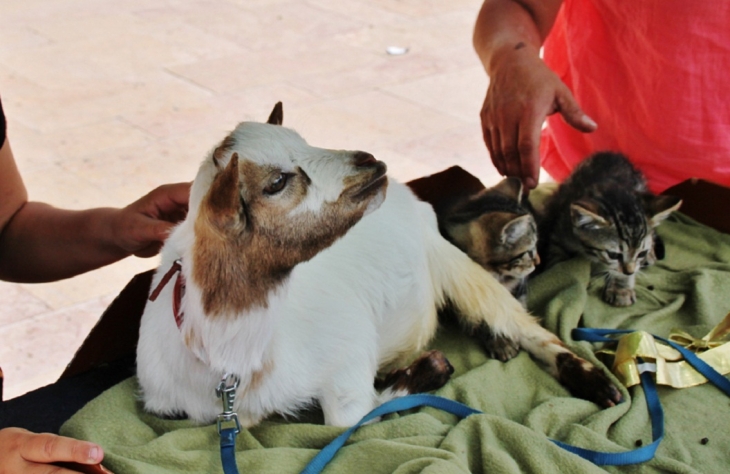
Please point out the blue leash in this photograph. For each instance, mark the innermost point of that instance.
(398, 404)
(645, 453)
(228, 450)
(639, 455)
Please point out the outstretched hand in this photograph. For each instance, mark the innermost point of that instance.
(23, 452)
(141, 227)
(522, 92)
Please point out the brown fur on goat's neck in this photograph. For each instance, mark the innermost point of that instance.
(223, 283)
(236, 269)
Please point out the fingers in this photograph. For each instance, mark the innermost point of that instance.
(168, 202)
(30, 453)
(146, 235)
(514, 147)
(158, 230)
(47, 448)
(508, 134)
(491, 137)
(178, 193)
(493, 154)
(513, 136)
(571, 112)
(35, 468)
(528, 145)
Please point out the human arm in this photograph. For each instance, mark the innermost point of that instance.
(30, 453)
(39, 242)
(522, 91)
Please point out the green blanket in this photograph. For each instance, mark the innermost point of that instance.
(523, 405)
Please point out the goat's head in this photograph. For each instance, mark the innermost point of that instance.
(267, 198)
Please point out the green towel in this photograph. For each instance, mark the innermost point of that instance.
(523, 406)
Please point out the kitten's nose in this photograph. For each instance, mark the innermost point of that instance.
(362, 158)
(629, 268)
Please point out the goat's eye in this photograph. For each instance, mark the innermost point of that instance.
(613, 255)
(277, 184)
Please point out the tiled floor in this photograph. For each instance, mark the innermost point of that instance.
(107, 100)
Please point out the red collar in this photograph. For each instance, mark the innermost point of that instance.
(178, 291)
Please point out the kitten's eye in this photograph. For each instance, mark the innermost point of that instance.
(277, 184)
(643, 254)
(613, 255)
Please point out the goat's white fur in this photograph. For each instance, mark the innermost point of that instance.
(366, 302)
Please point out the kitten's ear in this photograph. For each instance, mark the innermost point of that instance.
(583, 214)
(223, 203)
(659, 208)
(276, 117)
(516, 228)
(510, 187)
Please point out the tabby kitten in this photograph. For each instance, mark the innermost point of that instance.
(605, 212)
(498, 231)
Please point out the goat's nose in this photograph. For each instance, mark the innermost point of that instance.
(362, 158)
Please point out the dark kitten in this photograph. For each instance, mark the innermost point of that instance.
(605, 212)
(498, 231)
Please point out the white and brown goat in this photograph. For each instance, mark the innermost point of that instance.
(305, 278)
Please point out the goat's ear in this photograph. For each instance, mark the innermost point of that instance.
(277, 115)
(224, 197)
(220, 152)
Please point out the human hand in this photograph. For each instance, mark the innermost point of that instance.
(141, 227)
(23, 452)
(522, 92)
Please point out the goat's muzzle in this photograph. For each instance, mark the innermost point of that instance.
(375, 182)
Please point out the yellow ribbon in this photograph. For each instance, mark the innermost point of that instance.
(671, 369)
(711, 340)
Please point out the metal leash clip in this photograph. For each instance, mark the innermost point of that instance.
(226, 391)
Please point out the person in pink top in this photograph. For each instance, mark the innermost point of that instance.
(646, 78)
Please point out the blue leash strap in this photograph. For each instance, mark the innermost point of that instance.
(228, 450)
(398, 404)
(226, 391)
(639, 455)
(317, 464)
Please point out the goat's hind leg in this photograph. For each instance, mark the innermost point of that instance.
(430, 371)
(484, 308)
(480, 301)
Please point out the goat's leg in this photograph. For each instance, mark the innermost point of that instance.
(479, 300)
(429, 372)
(348, 394)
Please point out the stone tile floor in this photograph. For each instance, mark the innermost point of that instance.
(107, 100)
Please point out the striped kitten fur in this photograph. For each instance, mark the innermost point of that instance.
(605, 212)
(498, 231)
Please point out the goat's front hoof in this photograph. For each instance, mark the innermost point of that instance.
(585, 380)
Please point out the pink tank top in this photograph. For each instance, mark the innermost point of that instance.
(655, 76)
